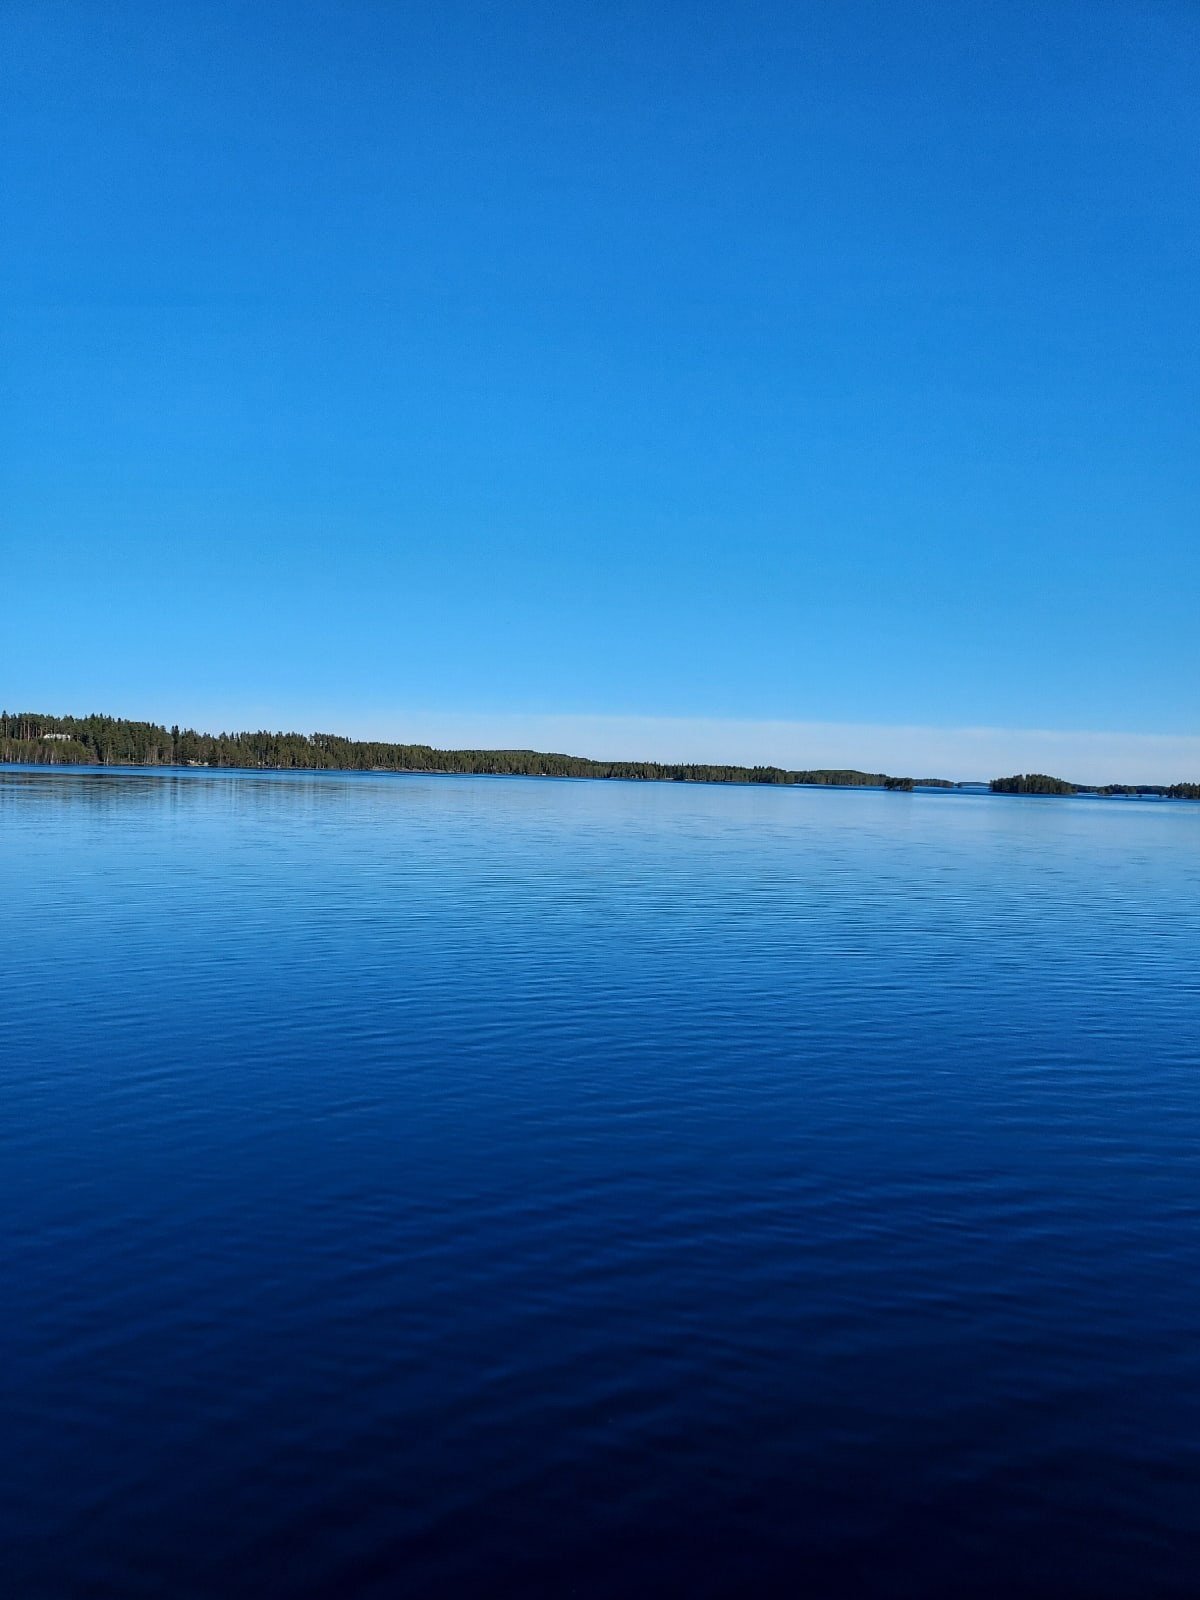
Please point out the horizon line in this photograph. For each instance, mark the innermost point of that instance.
(913, 748)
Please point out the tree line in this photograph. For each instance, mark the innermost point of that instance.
(117, 742)
(1032, 783)
(39, 739)
(1042, 783)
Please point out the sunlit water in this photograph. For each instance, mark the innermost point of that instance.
(422, 1186)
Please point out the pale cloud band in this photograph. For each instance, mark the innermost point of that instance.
(958, 753)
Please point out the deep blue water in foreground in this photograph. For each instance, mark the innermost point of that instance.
(423, 1186)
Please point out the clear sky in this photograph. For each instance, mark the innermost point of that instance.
(389, 367)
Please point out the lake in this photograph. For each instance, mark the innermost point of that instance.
(422, 1185)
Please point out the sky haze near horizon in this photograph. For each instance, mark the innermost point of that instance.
(780, 365)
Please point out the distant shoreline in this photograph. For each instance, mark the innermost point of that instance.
(39, 740)
(199, 768)
(36, 739)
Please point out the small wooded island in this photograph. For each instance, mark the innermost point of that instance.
(1032, 783)
(1042, 783)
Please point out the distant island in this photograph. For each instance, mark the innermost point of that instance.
(32, 738)
(28, 737)
(1042, 783)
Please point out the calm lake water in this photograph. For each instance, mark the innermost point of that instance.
(424, 1186)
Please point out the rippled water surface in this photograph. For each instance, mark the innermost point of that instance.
(422, 1186)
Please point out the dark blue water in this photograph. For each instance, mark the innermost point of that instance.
(423, 1186)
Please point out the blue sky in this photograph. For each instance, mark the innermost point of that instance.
(392, 367)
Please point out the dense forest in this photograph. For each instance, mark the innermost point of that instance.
(1032, 783)
(1160, 791)
(113, 741)
(1040, 783)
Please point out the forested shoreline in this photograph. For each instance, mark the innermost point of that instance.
(38, 739)
(43, 740)
(1042, 783)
